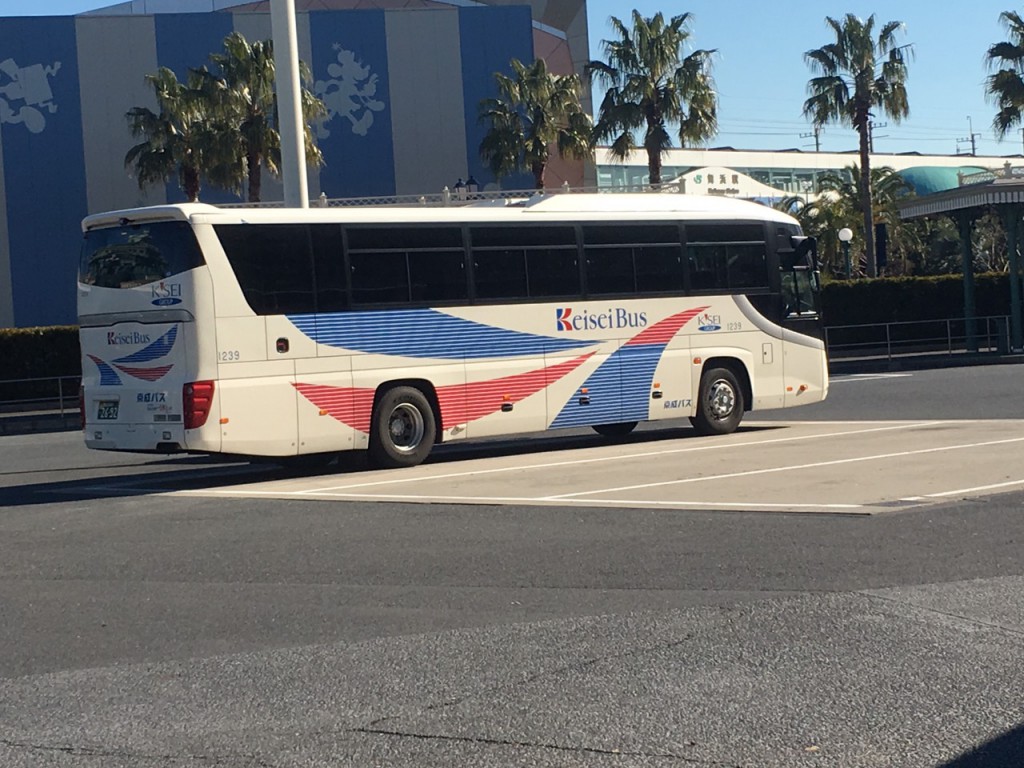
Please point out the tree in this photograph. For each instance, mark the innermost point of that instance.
(888, 188)
(650, 86)
(856, 74)
(1006, 86)
(176, 139)
(534, 110)
(244, 106)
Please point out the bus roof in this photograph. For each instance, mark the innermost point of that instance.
(579, 207)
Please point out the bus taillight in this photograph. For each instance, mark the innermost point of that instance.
(198, 399)
(81, 404)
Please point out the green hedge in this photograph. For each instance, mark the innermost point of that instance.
(29, 353)
(903, 299)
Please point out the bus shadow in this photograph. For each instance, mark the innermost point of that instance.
(196, 473)
(1003, 751)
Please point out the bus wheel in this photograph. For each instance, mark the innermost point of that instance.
(403, 429)
(621, 429)
(720, 406)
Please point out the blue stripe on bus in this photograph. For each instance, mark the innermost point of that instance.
(619, 390)
(426, 333)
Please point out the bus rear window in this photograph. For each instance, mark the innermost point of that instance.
(137, 254)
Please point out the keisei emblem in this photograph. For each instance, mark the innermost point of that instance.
(166, 294)
(708, 322)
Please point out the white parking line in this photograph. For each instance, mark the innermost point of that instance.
(625, 457)
(1008, 484)
(791, 468)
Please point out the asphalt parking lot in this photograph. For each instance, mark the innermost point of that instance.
(837, 585)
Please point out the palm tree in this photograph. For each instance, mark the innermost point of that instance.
(176, 139)
(856, 74)
(1006, 86)
(242, 92)
(842, 195)
(534, 109)
(651, 86)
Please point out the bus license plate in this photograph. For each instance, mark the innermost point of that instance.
(107, 410)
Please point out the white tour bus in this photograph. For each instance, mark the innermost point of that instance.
(285, 332)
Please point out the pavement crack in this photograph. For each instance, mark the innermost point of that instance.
(947, 614)
(547, 745)
(242, 761)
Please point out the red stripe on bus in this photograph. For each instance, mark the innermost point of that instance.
(664, 331)
(460, 403)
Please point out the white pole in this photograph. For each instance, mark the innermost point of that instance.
(289, 108)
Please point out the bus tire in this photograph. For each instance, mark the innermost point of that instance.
(403, 428)
(719, 404)
(620, 429)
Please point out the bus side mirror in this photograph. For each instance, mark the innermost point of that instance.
(805, 251)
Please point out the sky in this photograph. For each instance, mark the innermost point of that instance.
(761, 76)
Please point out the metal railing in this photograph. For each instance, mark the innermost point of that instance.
(948, 337)
(54, 394)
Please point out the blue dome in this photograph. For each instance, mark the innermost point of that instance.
(929, 179)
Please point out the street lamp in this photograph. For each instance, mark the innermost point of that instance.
(472, 185)
(845, 236)
(460, 189)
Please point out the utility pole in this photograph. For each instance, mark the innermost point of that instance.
(973, 137)
(286, 67)
(817, 138)
(871, 134)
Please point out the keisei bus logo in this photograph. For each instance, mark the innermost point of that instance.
(135, 364)
(166, 294)
(615, 317)
(708, 322)
(564, 324)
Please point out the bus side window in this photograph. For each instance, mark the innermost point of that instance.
(273, 265)
(521, 261)
(379, 277)
(499, 273)
(633, 258)
(329, 268)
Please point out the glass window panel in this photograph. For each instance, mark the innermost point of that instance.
(273, 265)
(798, 292)
(553, 272)
(610, 270)
(329, 266)
(628, 234)
(137, 254)
(724, 233)
(521, 236)
(500, 274)
(397, 237)
(379, 278)
(707, 267)
(746, 266)
(659, 268)
(437, 277)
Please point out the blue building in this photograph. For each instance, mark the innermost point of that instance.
(402, 82)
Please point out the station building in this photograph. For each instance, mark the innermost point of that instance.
(768, 174)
